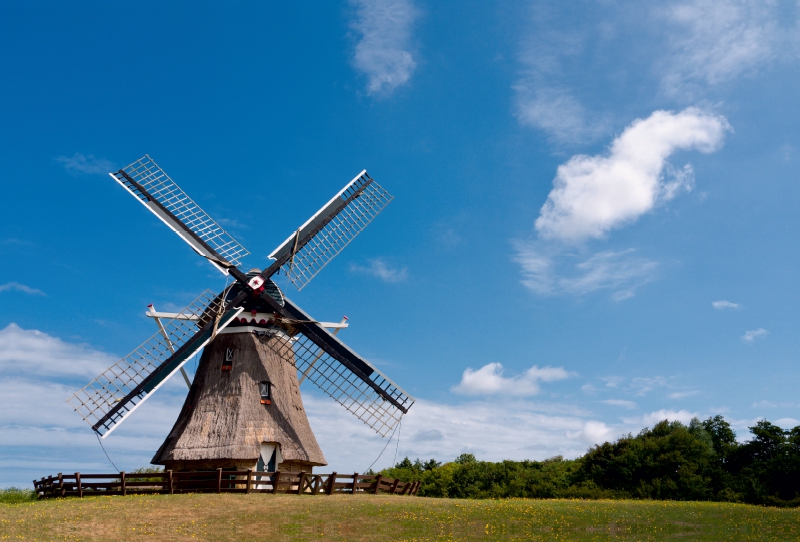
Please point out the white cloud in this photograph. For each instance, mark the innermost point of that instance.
(557, 112)
(620, 402)
(787, 423)
(492, 430)
(613, 381)
(544, 96)
(645, 384)
(85, 164)
(682, 394)
(722, 305)
(37, 374)
(638, 386)
(489, 380)
(378, 268)
(750, 336)
(716, 41)
(593, 194)
(764, 404)
(37, 354)
(594, 432)
(649, 420)
(383, 51)
(17, 287)
(621, 272)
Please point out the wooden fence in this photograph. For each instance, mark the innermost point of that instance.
(219, 481)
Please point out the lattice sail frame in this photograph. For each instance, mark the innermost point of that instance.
(340, 383)
(153, 179)
(337, 233)
(100, 395)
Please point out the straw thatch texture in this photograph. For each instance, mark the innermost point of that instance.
(223, 423)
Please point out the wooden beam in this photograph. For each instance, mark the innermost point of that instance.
(275, 479)
(331, 483)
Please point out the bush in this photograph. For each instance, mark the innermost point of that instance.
(701, 461)
(13, 495)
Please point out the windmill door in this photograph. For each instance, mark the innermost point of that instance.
(268, 461)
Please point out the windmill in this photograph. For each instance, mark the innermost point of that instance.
(244, 408)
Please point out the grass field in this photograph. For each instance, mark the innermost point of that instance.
(367, 517)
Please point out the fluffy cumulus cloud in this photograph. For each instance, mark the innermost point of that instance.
(493, 430)
(724, 305)
(383, 51)
(489, 380)
(40, 434)
(80, 164)
(622, 272)
(594, 194)
(379, 268)
(753, 334)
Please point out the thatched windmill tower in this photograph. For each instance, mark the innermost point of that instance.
(244, 408)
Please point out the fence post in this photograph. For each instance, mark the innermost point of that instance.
(300, 482)
(355, 480)
(331, 483)
(247, 486)
(123, 489)
(394, 485)
(169, 472)
(275, 479)
(377, 483)
(61, 484)
(78, 482)
(416, 488)
(219, 480)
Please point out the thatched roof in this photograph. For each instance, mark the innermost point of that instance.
(223, 418)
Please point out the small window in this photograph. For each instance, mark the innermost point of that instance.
(264, 388)
(227, 365)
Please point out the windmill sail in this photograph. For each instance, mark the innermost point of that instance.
(329, 230)
(111, 397)
(342, 374)
(155, 190)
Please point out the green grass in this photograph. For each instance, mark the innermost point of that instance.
(386, 517)
(13, 495)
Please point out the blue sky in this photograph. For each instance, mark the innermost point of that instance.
(593, 226)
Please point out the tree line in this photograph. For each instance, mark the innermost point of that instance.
(700, 461)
